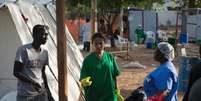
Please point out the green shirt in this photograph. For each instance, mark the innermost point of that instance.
(103, 74)
(139, 32)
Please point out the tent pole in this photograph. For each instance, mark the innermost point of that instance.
(93, 20)
(61, 51)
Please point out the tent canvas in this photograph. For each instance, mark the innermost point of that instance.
(16, 31)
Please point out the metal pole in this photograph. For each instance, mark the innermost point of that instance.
(61, 51)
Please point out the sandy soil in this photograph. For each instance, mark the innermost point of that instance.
(132, 77)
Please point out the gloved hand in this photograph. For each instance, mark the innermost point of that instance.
(85, 81)
(119, 96)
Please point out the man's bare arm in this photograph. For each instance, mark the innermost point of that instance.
(17, 72)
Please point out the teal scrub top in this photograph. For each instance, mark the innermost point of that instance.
(163, 78)
(103, 74)
(140, 32)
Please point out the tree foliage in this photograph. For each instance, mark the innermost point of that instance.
(190, 3)
(194, 3)
(83, 6)
(107, 9)
(75, 8)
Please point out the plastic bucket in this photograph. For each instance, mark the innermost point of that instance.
(149, 45)
(185, 65)
(183, 39)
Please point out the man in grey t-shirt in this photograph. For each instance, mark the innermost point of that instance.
(29, 68)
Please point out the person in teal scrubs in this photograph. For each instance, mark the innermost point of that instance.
(99, 72)
(140, 35)
(162, 83)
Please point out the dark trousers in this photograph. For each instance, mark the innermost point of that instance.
(112, 41)
(86, 46)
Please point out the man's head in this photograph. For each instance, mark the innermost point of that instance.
(40, 33)
(164, 52)
(87, 19)
(139, 26)
(98, 41)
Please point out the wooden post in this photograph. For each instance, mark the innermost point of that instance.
(93, 16)
(93, 20)
(176, 32)
(61, 51)
(121, 22)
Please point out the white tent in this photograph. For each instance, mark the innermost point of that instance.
(16, 22)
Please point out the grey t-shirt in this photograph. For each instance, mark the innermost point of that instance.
(33, 62)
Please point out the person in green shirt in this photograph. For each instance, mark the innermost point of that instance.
(99, 72)
(140, 34)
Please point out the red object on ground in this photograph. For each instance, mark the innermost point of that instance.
(157, 97)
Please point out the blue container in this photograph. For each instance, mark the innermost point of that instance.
(185, 65)
(149, 45)
(183, 38)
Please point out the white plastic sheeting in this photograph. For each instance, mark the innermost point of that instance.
(9, 43)
(1, 3)
(36, 1)
(150, 36)
(36, 13)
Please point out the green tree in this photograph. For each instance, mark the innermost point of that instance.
(194, 3)
(146, 4)
(104, 5)
(191, 3)
(107, 9)
(75, 8)
(110, 10)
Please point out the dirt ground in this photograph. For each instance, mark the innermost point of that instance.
(132, 77)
